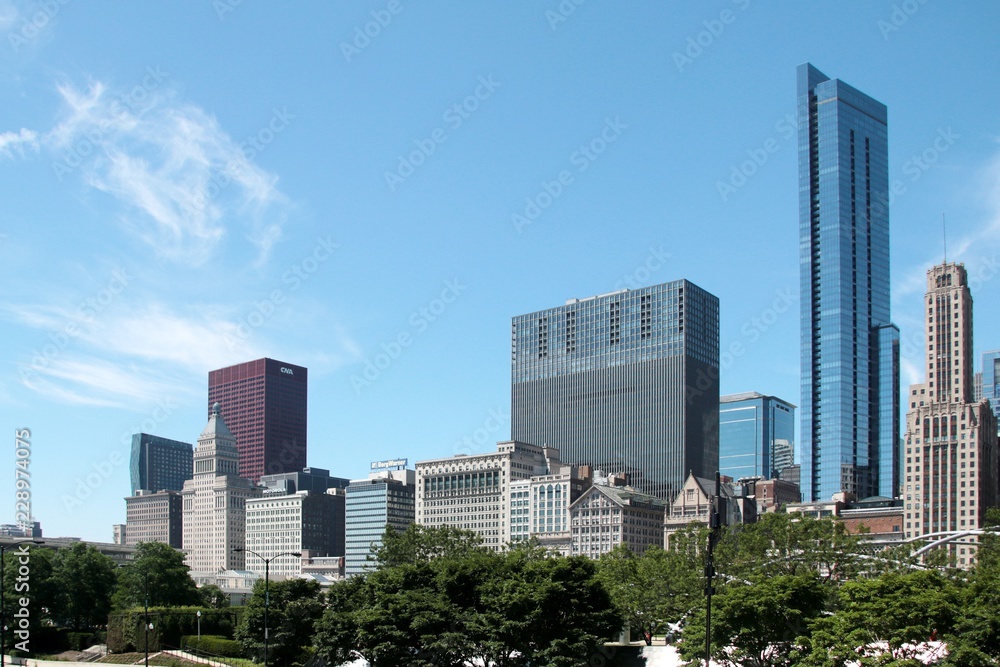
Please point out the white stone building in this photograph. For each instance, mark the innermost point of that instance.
(474, 492)
(214, 503)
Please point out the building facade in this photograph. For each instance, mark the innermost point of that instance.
(605, 516)
(473, 492)
(303, 521)
(159, 464)
(264, 403)
(214, 503)
(154, 517)
(950, 441)
(756, 435)
(849, 440)
(623, 382)
(385, 499)
(539, 507)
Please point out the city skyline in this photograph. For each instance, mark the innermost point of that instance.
(173, 208)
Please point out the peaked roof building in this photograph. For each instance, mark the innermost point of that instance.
(214, 502)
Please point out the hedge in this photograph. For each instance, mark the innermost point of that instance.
(212, 645)
(126, 628)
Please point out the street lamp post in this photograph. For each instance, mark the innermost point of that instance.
(267, 572)
(3, 607)
(199, 630)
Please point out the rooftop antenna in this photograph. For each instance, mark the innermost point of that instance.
(944, 236)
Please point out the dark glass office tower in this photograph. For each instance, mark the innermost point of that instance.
(263, 403)
(159, 464)
(626, 382)
(990, 379)
(850, 371)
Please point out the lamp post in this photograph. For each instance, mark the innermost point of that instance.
(199, 630)
(3, 608)
(267, 572)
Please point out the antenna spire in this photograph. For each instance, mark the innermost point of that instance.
(944, 236)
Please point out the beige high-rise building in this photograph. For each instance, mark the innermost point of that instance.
(215, 503)
(951, 439)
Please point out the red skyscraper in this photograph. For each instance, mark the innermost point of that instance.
(263, 403)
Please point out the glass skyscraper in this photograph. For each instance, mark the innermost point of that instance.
(756, 435)
(627, 382)
(849, 439)
(374, 504)
(991, 379)
(159, 464)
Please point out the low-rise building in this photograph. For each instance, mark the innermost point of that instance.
(154, 517)
(473, 492)
(693, 504)
(605, 516)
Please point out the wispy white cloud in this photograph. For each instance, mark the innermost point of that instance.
(184, 184)
(17, 142)
(184, 181)
(985, 236)
(94, 360)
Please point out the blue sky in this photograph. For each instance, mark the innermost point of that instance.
(188, 185)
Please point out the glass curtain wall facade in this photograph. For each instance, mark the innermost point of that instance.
(756, 435)
(991, 379)
(625, 382)
(372, 506)
(844, 278)
(159, 464)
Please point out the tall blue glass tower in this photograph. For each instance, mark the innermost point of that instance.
(849, 439)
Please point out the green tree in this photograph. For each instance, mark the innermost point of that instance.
(790, 544)
(975, 640)
(420, 543)
(443, 600)
(295, 606)
(158, 571)
(87, 578)
(531, 609)
(759, 623)
(392, 616)
(880, 620)
(213, 597)
(652, 590)
(39, 586)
